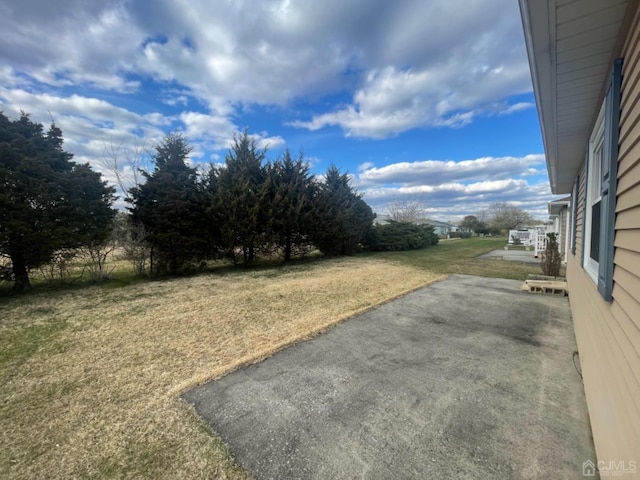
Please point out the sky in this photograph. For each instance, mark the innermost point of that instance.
(418, 100)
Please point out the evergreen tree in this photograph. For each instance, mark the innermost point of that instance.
(47, 201)
(342, 219)
(399, 236)
(171, 205)
(290, 204)
(241, 197)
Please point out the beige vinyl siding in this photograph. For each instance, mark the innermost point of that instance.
(628, 219)
(608, 334)
(631, 72)
(611, 388)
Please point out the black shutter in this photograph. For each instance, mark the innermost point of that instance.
(609, 183)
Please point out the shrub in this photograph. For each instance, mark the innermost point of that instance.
(551, 256)
(459, 234)
(399, 236)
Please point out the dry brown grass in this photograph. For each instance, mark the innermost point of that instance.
(91, 378)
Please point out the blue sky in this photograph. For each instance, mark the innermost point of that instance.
(428, 101)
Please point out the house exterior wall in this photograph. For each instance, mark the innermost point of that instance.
(608, 333)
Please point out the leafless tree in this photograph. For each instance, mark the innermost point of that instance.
(96, 258)
(137, 250)
(6, 270)
(482, 215)
(125, 163)
(507, 216)
(60, 268)
(408, 210)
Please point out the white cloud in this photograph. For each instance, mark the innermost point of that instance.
(71, 42)
(398, 65)
(391, 101)
(365, 166)
(437, 172)
(455, 200)
(454, 80)
(94, 129)
(451, 189)
(406, 67)
(517, 107)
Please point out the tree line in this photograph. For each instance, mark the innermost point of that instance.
(244, 208)
(499, 218)
(177, 218)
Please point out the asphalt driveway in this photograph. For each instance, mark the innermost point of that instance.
(467, 378)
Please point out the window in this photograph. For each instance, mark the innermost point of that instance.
(600, 191)
(594, 198)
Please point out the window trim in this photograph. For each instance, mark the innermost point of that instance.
(605, 133)
(597, 139)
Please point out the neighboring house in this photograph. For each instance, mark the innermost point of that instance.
(560, 224)
(441, 228)
(585, 64)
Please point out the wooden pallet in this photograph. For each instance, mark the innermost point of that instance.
(546, 286)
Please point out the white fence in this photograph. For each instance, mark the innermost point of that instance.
(541, 240)
(522, 237)
(535, 237)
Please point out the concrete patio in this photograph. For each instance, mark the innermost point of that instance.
(522, 256)
(466, 378)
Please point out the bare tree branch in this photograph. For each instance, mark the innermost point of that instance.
(410, 210)
(125, 163)
(507, 216)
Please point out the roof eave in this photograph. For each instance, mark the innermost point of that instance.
(542, 68)
(559, 64)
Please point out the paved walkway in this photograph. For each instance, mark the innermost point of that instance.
(466, 378)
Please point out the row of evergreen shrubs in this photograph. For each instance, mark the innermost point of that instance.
(399, 236)
(249, 207)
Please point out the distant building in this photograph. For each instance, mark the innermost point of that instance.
(441, 228)
(560, 224)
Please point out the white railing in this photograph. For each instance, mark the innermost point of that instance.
(541, 240)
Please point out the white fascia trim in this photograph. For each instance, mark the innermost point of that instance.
(540, 42)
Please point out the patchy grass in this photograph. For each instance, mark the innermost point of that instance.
(460, 256)
(90, 378)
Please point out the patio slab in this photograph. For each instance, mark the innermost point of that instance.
(466, 378)
(522, 256)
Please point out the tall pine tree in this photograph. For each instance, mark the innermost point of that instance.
(342, 218)
(290, 205)
(171, 205)
(241, 199)
(47, 201)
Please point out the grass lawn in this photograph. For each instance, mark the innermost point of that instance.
(91, 377)
(460, 256)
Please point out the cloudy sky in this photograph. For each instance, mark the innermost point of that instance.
(428, 100)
